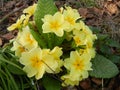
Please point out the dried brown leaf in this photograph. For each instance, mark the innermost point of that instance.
(0, 42)
(111, 8)
(86, 84)
(97, 81)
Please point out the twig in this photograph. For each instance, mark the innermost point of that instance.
(102, 84)
(2, 3)
(15, 10)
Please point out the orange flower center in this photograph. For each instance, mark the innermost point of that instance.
(77, 40)
(70, 20)
(55, 25)
(28, 38)
(36, 62)
(78, 64)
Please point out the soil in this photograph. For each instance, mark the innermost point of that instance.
(104, 15)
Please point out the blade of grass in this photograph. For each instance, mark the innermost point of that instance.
(3, 82)
(21, 80)
(9, 62)
(14, 85)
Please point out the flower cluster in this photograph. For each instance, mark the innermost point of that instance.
(37, 61)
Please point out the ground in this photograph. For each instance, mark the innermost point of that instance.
(103, 14)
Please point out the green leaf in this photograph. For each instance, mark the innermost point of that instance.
(106, 49)
(114, 58)
(94, 29)
(37, 37)
(59, 40)
(43, 7)
(102, 36)
(51, 84)
(113, 43)
(103, 68)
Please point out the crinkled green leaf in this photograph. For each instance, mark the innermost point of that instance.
(50, 83)
(102, 36)
(114, 58)
(103, 68)
(106, 49)
(94, 29)
(113, 43)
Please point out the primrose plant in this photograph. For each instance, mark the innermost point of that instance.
(54, 41)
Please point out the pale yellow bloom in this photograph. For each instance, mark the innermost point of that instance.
(30, 10)
(88, 51)
(79, 37)
(82, 27)
(89, 33)
(27, 39)
(23, 42)
(67, 80)
(17, 25)
(50, 63)
(55, 63)
(56, 53)
(18, 48)
(70, 16)
(33, 64)
(38, 61)
(26, 20)
(54, 24)
(78, 67)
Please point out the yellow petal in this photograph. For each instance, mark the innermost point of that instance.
(30, 70)
(40, 72)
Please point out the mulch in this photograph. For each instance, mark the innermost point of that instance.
(105, 16)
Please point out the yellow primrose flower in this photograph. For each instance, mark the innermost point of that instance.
(17, 25)
(18, 48)
(30, 10)
(78, 66)
(26, 20)
(54, 24)
(79, 37)
(82, 27)
(37, 62)
(67, 80)
(49, 61)
(89, 33)
(27, 39)
(33, 64)
(56, 53)
(23, 42)
(88, 51)
(70, 16)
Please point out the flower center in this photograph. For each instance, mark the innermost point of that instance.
(78, 64)
(70, 20)
(55, 25)
(28, 38)
(22, 49)
(77, 40)
(36, 62)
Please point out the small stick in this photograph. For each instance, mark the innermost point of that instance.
(102, 84)
(15, 10)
